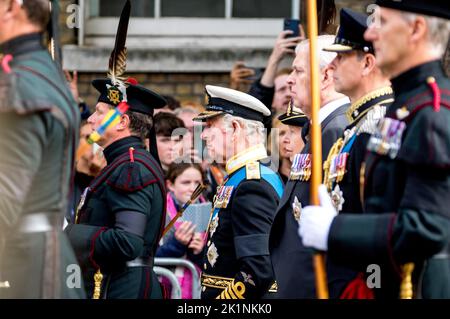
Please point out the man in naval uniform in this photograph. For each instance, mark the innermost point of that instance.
(406, 222)
(237, 262)
(292, 262)
(38, 135)
(357, 76)
(121, 214)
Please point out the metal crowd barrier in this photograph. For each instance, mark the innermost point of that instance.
(174, 262)
(176, 288)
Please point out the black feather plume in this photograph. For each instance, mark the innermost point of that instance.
(118, 59)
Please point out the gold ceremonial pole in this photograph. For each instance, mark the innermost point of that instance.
(316, 141)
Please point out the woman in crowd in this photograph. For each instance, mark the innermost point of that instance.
(182, 241)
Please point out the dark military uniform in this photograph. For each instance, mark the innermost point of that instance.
(237, 263)
(343, 163)
(292, 262)
(38, 135)
(120, 216)
(119, 223)
(406, 190)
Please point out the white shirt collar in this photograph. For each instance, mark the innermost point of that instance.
(329, 108)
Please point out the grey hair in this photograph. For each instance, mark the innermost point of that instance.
(323, 41)
(438, 31)
(252, 128)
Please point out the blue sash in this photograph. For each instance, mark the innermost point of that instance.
(266, 174)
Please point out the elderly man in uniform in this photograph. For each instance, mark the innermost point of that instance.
(237, 263)
(38, 134)
(292, 261)
(406, 225)
(357, 76)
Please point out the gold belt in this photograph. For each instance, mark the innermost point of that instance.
(224, 282)
(216, 281)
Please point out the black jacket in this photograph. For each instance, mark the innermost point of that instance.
(406, 191)
(292, 262)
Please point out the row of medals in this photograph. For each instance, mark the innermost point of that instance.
(387, 139)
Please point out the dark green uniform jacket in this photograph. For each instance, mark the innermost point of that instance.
(406, 192)
(39, 123)
(292, 262)
(237, 263)
(119, 222)
(343, 164)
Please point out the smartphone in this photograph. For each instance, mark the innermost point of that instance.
(293, 25)
(258, 73)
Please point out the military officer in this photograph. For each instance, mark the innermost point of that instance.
(38, 134)
(357, 76)
(405, 228)
(237, 263)
(119, 218)
(292, 261)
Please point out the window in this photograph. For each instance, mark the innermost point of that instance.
(262, 9)
(193, 8)
(181, 35)
(195, 18)
(197, 8)
(112, 8)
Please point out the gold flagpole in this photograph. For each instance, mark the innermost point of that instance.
(316, 142)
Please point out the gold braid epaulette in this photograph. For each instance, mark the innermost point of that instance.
(363, 100)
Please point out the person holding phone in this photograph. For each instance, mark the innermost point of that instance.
(263, 81)
(265, 88)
